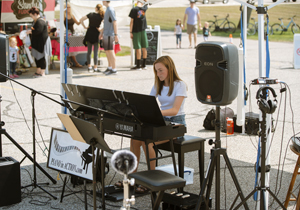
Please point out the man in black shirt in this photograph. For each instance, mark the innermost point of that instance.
(138, 24)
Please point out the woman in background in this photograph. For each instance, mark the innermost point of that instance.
(71, 21)
(39, 37)
(92, 34)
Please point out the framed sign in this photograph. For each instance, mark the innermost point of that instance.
(70, 156)
(152, 49)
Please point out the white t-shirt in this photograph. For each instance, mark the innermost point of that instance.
(192, 14)
(166, 102)
(178, 29)
(13, 54)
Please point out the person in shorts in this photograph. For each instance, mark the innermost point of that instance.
(192, 15)
(109, 34)
(138, 25)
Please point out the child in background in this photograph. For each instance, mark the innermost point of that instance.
(206, 31)
(13, 57)
(178, 31)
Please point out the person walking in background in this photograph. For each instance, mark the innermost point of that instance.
(92, 35)
(206, 31)
(109, 34)
(13, 57)
(71, 21)
(178, 32)
(192, 15)
(39, 37)
(138, 25)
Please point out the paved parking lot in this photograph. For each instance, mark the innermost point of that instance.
(16, 112)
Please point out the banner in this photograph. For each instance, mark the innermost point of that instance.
(70, 156)
(17, 10)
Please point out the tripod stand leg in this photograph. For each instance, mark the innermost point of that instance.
(47, 192)
(207, 182)
(63, 190)
(234, 178)
(278, 201)
(244, 201)
(3, 131)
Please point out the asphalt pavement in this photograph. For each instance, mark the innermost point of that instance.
(16, 112)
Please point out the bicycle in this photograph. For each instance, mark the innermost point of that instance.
(225, 25)
(253, 27)
(278, 29)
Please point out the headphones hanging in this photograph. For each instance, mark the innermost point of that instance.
(266, 106)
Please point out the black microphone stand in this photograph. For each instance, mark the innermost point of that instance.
(35, 164)
(92, 142)
(263, 189)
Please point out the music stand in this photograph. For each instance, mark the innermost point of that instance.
(88, 132)
(135, 108)
(138, 104)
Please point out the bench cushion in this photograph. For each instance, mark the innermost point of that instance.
(188, 140)
(156, 180)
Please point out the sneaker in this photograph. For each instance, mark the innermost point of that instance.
(144, 67)
(16, 76)
(11, 76)
(107, 70)
(97, 70)
(110, 72)
(90, 69)
(37, 75)
(136, 68)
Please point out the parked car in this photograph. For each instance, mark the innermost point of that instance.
(212, 1)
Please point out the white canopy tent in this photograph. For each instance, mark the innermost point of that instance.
(81, 8)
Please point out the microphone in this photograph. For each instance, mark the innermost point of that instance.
(124, 162)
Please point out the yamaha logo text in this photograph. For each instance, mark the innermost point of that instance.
(122, 127)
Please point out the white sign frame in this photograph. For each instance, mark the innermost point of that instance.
(67, 155)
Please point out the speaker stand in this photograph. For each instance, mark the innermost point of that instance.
(214, 163)
(33, 160)
(263, 188)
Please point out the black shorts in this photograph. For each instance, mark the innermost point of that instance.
(108, 42)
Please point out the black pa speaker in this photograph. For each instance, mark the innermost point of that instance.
(10, 181)
(4, 56)
(216, 73)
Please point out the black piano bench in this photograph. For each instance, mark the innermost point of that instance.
(157, 181)
(184, 145)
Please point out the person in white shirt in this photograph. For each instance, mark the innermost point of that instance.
(178, 32)
(192, 14)
(171, 92)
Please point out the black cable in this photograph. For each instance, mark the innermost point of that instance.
(250, 112)
(289, 139)
(20, 107)
(25, 118)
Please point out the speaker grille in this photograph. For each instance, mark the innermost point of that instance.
(216, 72)
(209, 83)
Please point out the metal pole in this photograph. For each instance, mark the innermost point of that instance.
(62, 51)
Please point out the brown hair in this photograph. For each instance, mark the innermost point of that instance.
(173, 75)
(177, 21)
(34, 10)
(100, 10)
